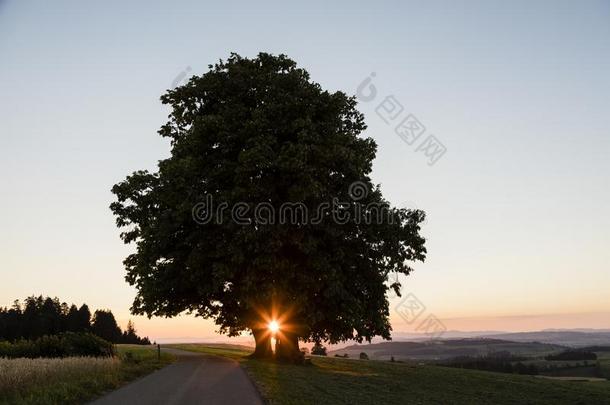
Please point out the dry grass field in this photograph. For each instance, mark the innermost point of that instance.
(73, 380)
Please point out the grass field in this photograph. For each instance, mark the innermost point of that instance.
(604, 363)
(346, 381)
(73, 380)
(447, 349)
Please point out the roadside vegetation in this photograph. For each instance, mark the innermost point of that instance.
(348, 381)
(74, 380)
(62, 345)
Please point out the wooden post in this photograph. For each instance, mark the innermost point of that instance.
(158, 352)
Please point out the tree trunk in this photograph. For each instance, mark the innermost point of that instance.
(287, 349)
(262, 338)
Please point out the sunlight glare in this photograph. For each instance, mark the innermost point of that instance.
(273, 326)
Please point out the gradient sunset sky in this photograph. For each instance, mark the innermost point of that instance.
(518, 227)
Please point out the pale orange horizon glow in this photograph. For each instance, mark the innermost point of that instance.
(187, 328)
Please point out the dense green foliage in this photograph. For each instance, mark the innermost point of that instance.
(45, 316)
(259, 131)
(61, 345)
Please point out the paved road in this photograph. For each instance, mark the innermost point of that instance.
(193, 379)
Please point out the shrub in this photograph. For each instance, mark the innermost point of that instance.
(318, 350)
(364, 356)
(62, 345)
(573, 355)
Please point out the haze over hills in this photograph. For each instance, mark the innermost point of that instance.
(569, 338)
(565, 337)
(457, 343)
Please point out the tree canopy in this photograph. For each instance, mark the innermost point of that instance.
(254, 133)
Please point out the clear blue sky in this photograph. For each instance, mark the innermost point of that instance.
(518, 93)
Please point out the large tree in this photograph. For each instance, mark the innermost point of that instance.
(253, 135)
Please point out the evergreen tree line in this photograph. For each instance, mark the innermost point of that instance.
(46, 316)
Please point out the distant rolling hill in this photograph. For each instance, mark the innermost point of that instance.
(445, 349)
(571, 338)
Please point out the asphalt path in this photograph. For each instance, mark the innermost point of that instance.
(195, 378)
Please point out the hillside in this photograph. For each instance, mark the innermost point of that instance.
(445, 349)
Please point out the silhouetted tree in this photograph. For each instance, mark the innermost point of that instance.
(72, 319)
(318, 350)
(51, 316)
(84, 319)
(104, 325)
(259, 131)
(11, 322)
(130, 336)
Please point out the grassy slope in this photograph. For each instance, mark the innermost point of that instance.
(604, 363)
(141, 361)
(444, 349)
(345, 381)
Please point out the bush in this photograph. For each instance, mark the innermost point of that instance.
(502, 362)
(62, 345)
(318, 350)
(573, 355)
(364, 356)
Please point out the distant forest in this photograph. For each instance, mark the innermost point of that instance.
(46, 316)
